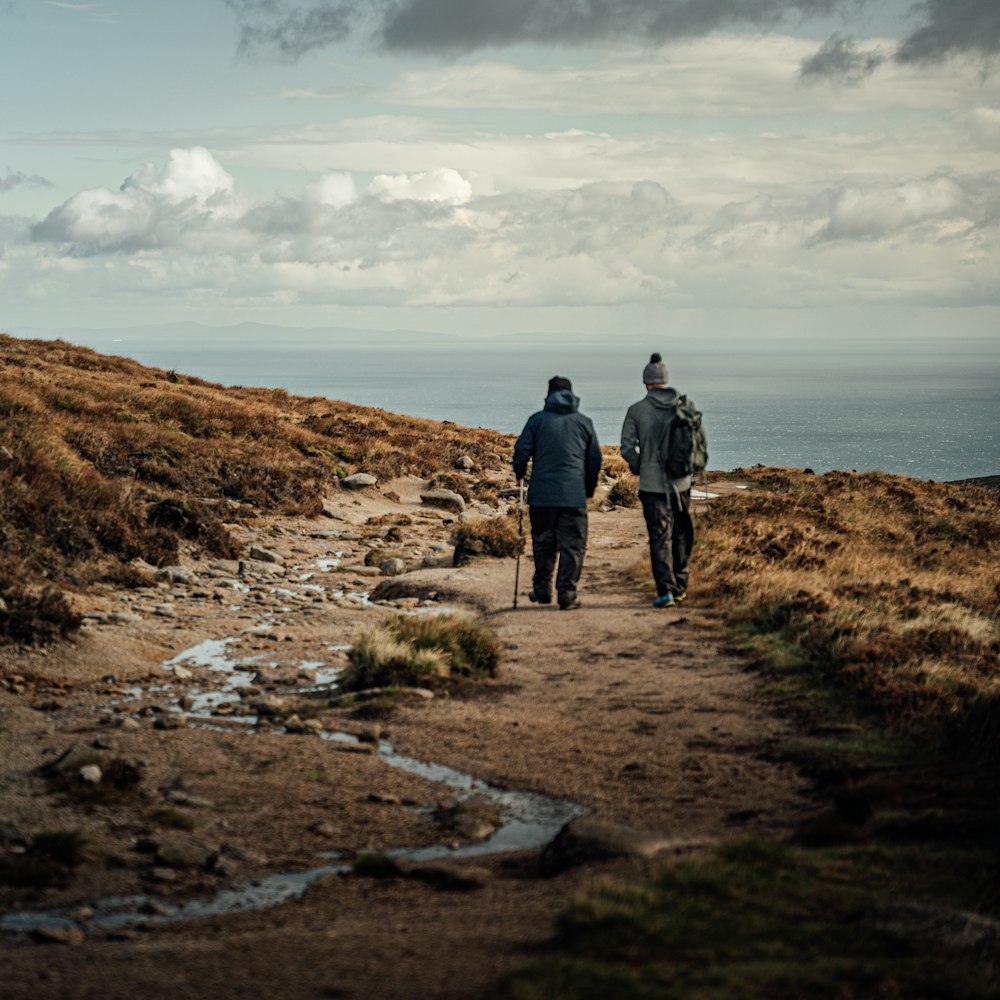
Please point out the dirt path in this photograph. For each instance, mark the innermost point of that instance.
(639, 716)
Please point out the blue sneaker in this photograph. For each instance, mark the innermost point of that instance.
(664, 601)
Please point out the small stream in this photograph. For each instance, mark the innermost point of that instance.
(528, 820)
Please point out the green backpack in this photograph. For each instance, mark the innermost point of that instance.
(686, 444)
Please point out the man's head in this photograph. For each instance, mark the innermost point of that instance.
(654, 375)
(557, 382)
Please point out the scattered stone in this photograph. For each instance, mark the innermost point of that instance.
(464, 463)
(70, 761)
(161, 874)
(127, 723)
(383, 799)
(422, 694)
(230, 567)
(177, 853)
(90, 774)
(266, 556)
(444, 874)
(438, 560)
(71, 935)
(171, 721)
(182, 673)
(237, 853)
(359, 481)
(100, 743)
(392, 566)
(444, 499)
(124, 618)
(294, 725)
(164, 610)
(224, 869)
(588, 839)
(176, 574)
(269, 705)
(322, 829)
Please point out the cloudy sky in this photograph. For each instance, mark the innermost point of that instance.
(456, 165)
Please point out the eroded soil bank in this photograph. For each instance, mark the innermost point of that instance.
(637, 716)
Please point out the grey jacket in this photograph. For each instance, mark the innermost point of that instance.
(566, 456)
(642, 436)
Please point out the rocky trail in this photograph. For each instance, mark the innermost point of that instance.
(208, 698)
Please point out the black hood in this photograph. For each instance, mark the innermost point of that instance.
(562, 401)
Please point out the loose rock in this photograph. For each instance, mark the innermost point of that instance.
(358, 481)
(392, 567)
(590, 839)
(444, 499)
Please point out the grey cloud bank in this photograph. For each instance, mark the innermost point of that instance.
(945, 27)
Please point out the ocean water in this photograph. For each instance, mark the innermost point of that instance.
(921, 407)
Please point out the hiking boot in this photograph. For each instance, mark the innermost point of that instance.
(664, 601)
(681, 597)
(537, 598)
(570, 605)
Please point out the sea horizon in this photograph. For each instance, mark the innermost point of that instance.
(916, 406)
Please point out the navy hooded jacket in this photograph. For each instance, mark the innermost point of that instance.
(562, 444)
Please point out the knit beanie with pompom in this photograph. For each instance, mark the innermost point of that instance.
(655, 373)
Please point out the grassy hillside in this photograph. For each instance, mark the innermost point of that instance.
(103, 461)
(879, 590)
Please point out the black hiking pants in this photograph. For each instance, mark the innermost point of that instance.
(558, 531)
(671, 538)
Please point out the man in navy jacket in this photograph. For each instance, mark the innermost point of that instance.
(566, 462)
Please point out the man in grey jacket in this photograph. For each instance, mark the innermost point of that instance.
(566, 461)
(665, 503)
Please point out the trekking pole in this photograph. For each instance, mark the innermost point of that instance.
(520, 538)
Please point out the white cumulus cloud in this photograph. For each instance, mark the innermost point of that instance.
(153, 207)
(441, 184)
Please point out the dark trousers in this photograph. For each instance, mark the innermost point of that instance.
(671, 538)
(558, 531)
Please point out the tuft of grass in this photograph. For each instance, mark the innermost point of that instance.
(624, 491)
(35, 618)
(494, 536)
(49, 858)
(421, 650)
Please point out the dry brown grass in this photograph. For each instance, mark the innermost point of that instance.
(103, 460)
(882, 586)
